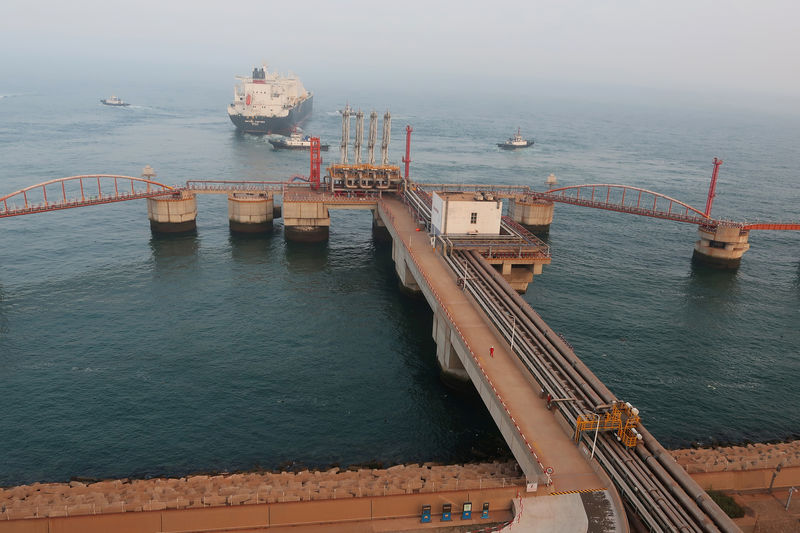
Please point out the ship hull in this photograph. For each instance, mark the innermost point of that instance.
(281, 145)
(506, 146)
(280, 125)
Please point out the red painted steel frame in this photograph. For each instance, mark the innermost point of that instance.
(407, 158)
(713, 187)
(316, 163)
(785, 226)
(66, 203)
(572, 195)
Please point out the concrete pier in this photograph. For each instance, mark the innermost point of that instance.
(379, 231)
(721, 246)
(535, 215)
(467, 345)
(173, 214)
(305, 221)
(401, 266)
(517, 275)
(452, 370)
(250, 213)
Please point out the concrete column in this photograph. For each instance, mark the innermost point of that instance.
(401, 259)
(452, 370)
(721, 246)
(172, 214)
(379, 231)
(305, 221)
(535, 215)
(250, 213)
(518, 275)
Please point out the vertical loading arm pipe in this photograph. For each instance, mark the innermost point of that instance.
(345, 132)
(373, 137)
(407, 157)
(359, 137)
(387, 130)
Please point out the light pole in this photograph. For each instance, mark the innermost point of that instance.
(789, 499)
(774, 475)
(596, 431)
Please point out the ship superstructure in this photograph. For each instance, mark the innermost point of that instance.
(268, 102)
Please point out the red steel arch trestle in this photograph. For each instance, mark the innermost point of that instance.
(78, 191)
(625, 199)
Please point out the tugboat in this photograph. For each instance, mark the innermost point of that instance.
(267, 102)
(515, 142)
(114, 101)
(296, 141)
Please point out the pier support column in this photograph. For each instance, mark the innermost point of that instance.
(401, 259)
(452, 370)
(379, 231)
(518, 275)
(535, 215)
(250, 213)
(306, 221)
(172, 214)
(721, 246)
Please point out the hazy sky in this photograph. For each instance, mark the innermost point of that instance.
(694, 46)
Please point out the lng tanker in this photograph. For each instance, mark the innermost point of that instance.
(269, 103)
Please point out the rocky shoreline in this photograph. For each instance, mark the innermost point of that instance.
(737, 458)
(124, 495)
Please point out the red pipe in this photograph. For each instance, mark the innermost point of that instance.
(316, 163)
(407, 158)
(713, 187)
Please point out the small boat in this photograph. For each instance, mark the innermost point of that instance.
(114, 101)
(296, 141)
(515, 142)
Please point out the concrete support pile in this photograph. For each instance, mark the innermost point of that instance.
(379, 231)
(517, 275)
(172, 214)
(305, 221)
(401, 261)
(452, 370)
(250, 213)
(721, 246)
(535, 215)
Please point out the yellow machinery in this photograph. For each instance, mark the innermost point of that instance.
(620, 417)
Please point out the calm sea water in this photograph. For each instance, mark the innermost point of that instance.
(125, 354)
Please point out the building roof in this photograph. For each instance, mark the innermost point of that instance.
(458, 196)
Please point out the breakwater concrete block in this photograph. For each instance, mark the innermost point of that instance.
(172, 214)
(250, 213)
(721, 246)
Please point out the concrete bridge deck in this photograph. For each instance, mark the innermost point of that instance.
(508, 381)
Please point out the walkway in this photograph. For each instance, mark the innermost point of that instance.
(512, 383)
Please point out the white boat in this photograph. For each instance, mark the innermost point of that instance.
(516, 141)
(114, 101)
(295, 141)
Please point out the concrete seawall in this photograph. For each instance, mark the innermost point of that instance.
(56, 500)
(748, 467)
